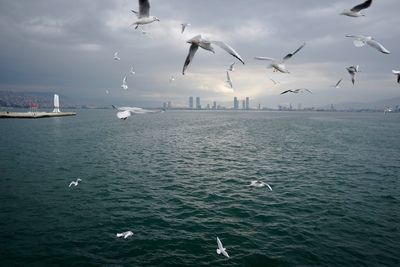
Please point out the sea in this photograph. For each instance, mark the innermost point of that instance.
(180, 179)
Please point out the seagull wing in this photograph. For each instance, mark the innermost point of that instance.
(362, 6)
(228, 49)
(225, 253)
(219, 243)
(192, 51)
(123, 114)
(71, 184)
(287, 91)
(144, 8)
(288, 56)
(308, 90)
(337, 84)
(228, 79)
(360, 40)
(265, 58)
(268, 186)
(183, 27)
(135, 12)
(378, 46)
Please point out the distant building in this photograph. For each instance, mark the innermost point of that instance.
(259, 106)
(164, 105)
(214, 105)
(235, 103)
(247, 103)
(243, 104)
(198, 105)
(208, 106)
(169, 105)
(191, 102)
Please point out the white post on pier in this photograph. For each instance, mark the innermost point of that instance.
(56, 104)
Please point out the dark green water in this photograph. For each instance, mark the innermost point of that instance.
(179, 179)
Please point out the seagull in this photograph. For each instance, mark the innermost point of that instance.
(184, 25)
(337, 84)
(228, 80)
(387, 110)
(296, 91)
(352, 71)
(107, 92)
(231, 67)
(75, 183)
(116, 56)
(361, 40)
(397, 73)
(256, 183)
(274, 81)
(144, 14)
(124, 85)
(171, 79)
(125, 112)
(125, 235)
(221, 248)
(356, 11)
(206, 44)
(132, 72)
(280, 65)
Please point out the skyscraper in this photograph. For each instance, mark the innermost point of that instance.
(198, 105)
(235, 103)
(243, 104)
(191, 102)
(214, 105)
(247, 103)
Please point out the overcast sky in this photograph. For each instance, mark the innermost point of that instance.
(67, 47)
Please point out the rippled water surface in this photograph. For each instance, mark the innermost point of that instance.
(179, 179)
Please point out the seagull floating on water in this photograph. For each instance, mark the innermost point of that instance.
(144, 14)
(221, 248)
(352, 70)
(75, 183)
(206, 44)
(125, 235)
(356, 11)
(231, 66)
(280, 65)
(337, 84)
(296, 91)
(184, 25)
(397, 73)
(257, 183)
(116, 57)
(228, 80)
(125, 112)
(124, 85)
(361, 40)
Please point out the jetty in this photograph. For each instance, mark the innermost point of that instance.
(34, 114)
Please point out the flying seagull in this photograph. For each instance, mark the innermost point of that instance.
(356, 11)
(387, 110)
(361, 40)
(75, 183)
(184, 25)
(228, 80)
(206, 44)
(116, 57)
(231, 67)
(280, 65)
(337, 84)
(171, 79)
(274, 81)
(256, 183)
(144, 14)
(107, 92)
(125, 235)
(352, 70)
(132, 71)
(221, 248)
(124, 85)
(296, 91)
(397, 73)
(125, 112)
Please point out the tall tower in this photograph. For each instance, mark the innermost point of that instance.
(191, 102)
(247, 103)
(56, 104)
(243, 104)
(235, 103)
(198, 106)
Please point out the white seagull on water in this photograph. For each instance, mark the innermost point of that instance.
(144, 14)
(124, 84)
(75, 183)
(361, 40)
(257, 183)
(116, 57)
(296, 91)
(280, 65)
(228, 80)
(221, 248)
(356, 11)
(397, 73)
(352, 70)
(206, 44)
(184, 25)
(125, 235)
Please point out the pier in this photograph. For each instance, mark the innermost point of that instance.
(34, 115)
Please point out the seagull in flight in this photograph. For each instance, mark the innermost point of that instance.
(352, 70)
(107, 92)
(256, 183)
(171, 79)
(116, 57)
(231, 66)
(125, 112)
(184, 25)
(228, 80)
(124, 85)
(75, 183)
(361, 40)
(356, 11)
(144, 14)
(132, 71)
(206, 44)
(397, 73)
(280, 65)
(337, 84)
(274, 81)
(296, 91)
(125, 235)
(221, 248)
